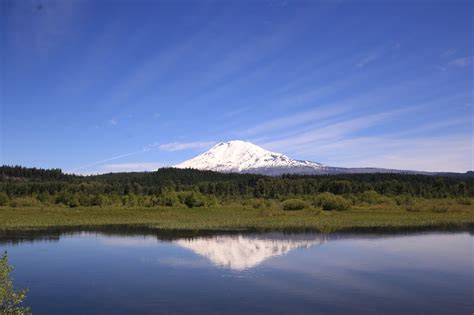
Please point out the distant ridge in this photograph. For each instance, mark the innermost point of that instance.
(245, 157)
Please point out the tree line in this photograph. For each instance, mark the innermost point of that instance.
(169, 186)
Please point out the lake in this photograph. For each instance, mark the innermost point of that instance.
(133, 272)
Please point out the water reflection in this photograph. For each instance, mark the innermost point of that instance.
(240, 252)
(134, 271)
(235, 251)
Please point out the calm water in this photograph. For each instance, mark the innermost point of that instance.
(96, 273)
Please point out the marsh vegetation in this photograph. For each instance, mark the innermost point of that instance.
(190, 199)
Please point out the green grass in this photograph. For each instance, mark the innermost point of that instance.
(376, 217)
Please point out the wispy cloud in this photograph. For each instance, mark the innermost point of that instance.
(416, 149)
(178, 146)
(296, 119)
(461, 62)
(130, 167)
(443, 153)
(322, 111)
(367, 59)
(236, 112)
(146, 148)
(255, 49)
(377, 54)
(308, 96)
(156, 67)
(434, 126)
(113, 121)
(86, 166)
(170, 147)
(449, 52)
(333, 131)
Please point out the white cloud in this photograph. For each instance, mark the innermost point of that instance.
(254, 49)
(236, 112)
(113, 121)
(403, 149)
(130, 167)
(91, 168)
(310, 95)
(376, 54)
(425, 153)
(367, 59)
(297, 119)
(332, 132)
(178, 146)
(462, 62)
(436, 126)
(453, 153)
(79, 168)
(321, 112)
(449, 52)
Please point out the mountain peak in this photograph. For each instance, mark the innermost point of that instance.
(243, 157)
(236, 145)
(239, 156)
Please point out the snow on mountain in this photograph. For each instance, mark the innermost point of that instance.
(245, 157)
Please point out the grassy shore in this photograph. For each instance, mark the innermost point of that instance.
(230, 218)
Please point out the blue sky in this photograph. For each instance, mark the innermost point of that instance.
(99, 86)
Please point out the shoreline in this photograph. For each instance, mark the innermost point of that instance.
(231, 220)
(54, 234)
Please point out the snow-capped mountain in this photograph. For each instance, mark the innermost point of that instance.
(245, 157)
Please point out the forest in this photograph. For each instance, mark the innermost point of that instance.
(171, 187)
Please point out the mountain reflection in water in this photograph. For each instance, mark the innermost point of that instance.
(240, 252)
(131, 270)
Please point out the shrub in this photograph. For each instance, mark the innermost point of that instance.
(68, 199)
(272, 204)
(440, 209)
(45, 198)
(246, 202)
(265, 212)
(130, 200)
(293, 204)
(211, 201)
(4, 199)
(371, 197)
(434, 205)
(168, 199)
(464, 201)
(416, 207)
(192, 199)
(99, 200)
(25, 202)
(258, 203)
(328, 201)
(10, 299)
(404, 200)
(412, 208)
